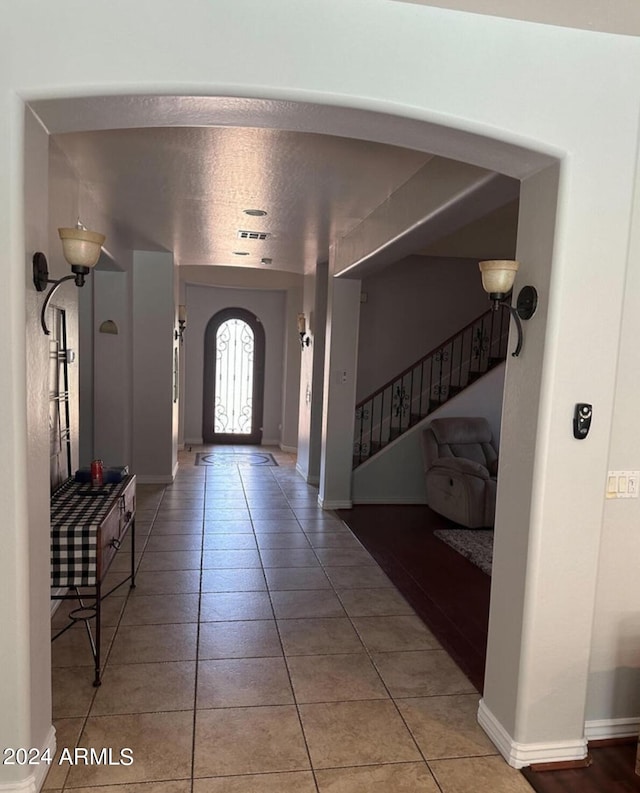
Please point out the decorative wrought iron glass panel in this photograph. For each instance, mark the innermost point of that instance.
(234, 378)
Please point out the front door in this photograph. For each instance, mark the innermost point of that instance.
(234, 349)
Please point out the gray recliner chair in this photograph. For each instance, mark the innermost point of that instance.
(460, 468)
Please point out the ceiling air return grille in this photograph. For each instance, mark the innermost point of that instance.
(253, 235)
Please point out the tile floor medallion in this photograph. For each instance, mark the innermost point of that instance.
(262, 651)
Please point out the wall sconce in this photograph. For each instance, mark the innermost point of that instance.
(182, 323)
(305, 341)
(81, 249)
(498, 276)
(108, 326)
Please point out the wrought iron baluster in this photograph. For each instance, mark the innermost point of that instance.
(409, 413)
(491, 337)
(504, 333)
(361, 434)
(466, 356)
(371, 430)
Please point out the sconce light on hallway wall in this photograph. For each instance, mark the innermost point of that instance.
(305, 341)
(182, 323)
(498, 276)
(81, 249)
(108, 326)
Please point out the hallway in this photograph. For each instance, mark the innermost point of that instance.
(263, 650)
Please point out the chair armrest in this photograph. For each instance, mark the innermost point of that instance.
(462, 466)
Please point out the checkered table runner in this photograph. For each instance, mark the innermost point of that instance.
(77, 510)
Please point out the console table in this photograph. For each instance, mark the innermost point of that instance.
(88, 526)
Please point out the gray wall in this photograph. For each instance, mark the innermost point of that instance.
(411, 307)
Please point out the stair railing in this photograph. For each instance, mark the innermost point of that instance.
(428, 383)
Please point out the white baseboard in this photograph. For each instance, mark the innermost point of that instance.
(601, 729)
(520, 755)
(193, 442)
(34, 782)
(153, 479)
(175, 470)
(288, 449)
(326, 504)
(310, 480)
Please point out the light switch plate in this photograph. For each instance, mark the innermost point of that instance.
(623, 484)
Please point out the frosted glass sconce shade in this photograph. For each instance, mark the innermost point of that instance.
(81, 247)
(498, 275)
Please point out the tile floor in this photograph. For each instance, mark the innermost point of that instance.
(263, 651)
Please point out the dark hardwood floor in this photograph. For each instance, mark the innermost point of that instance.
(449, 593)
(452, 596)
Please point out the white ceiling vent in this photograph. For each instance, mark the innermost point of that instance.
(253, 235)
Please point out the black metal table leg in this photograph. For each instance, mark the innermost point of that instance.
(97, 680)
(133, 554)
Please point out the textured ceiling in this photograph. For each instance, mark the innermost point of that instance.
(184, 189)
(607, 16)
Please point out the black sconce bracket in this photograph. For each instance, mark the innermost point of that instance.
(525, 308)
(41, 280)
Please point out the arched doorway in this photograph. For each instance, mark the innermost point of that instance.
(404, 125)
(234, 352)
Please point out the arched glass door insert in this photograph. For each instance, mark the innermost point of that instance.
(233, 378)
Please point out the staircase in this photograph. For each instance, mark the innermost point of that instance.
(430, 382)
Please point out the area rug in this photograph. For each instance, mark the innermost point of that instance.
(476, 545)
(225, 459)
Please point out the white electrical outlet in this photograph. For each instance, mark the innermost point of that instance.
(623, 484)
